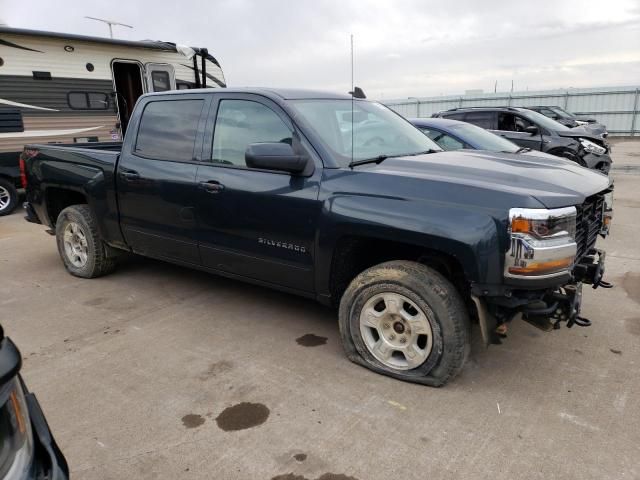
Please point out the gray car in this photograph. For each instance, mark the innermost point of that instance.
(533, 130)
(571, 120)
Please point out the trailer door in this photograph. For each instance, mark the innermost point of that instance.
(160, 77)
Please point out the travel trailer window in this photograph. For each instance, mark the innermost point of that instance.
(168, 130)
(11, 120)
(161, 81)
(88, 100)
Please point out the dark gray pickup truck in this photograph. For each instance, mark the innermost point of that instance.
(338, 199)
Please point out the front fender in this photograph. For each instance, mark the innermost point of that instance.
(469, 234)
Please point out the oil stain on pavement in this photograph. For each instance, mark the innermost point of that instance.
(631, 285)
(311, 340)
(215, 369)
(192, 420)
(242, 416)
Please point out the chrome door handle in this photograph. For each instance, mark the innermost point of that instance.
(130, 175)
(212, 186)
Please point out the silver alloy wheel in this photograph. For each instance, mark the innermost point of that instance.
(395, 331)
(75, 245)
(5, 198)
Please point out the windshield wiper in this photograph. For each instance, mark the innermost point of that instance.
(382, 158)
(523, 150)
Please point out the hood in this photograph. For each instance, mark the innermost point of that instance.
(582, 131)
(552, 181)
(584, 118)
(597, 129)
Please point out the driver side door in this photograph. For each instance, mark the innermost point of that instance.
(255, 224)
(511, 126)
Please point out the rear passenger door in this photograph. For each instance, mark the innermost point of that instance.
(156, 177)
(254, 223)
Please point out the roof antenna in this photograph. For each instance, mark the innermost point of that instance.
(352, 95)
(110, 23)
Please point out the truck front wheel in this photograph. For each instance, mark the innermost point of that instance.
(405, 320)
(79, 243)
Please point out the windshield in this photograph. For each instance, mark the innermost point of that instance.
(482, 139)
(376, 130)
(545, 122)
(562, 112)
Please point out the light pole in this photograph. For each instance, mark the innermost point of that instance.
(417, 105)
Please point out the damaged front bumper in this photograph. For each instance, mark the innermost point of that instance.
(546, 309)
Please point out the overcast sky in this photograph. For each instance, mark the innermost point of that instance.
(402, 47)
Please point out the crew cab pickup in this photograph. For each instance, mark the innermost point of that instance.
(338, 199)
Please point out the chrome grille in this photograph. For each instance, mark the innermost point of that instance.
(588, 223)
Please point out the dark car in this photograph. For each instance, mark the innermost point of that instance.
(571, 120)
(9, 183)
(338, 199)
(533, 130)
(27, 448)
(457, 135)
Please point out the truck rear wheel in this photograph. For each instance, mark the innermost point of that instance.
(405, 320)
(8, 197)
(79, 243)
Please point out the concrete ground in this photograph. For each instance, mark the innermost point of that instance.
(135, 370)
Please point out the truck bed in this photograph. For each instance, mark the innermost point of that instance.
(107, 146)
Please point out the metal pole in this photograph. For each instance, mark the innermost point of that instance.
(417, 105)
(635, 114)
(566, 100)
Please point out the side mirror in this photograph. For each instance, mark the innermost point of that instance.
(532, 129)
(274, 156)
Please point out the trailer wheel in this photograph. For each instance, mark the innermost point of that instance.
(79, 243)
(8, 197)
(405, 320)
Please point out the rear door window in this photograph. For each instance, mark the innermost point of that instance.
(481, 119)
(168, 129)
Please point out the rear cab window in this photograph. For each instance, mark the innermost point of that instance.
(168, 129)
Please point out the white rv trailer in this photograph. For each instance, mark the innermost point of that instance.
(58, 87)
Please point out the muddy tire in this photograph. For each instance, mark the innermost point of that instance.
(79, 243)
(405, 320)
(8, 197)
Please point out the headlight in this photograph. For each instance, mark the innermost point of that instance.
(16, 445)
(581, 122)
(542, 242)
(592, 147)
